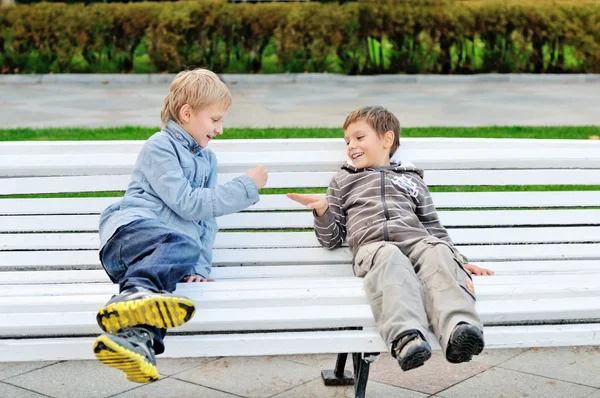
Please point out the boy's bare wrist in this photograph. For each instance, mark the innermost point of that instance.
(321, 211)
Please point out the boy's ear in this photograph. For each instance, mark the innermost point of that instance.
(185, 113)
(388, 139)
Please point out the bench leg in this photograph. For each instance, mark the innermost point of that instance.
(341, 377)
(338, 376)
(362, 363)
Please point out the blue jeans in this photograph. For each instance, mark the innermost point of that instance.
(146, 253)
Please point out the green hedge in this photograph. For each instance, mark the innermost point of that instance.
(351, 38)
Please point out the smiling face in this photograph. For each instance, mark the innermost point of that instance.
(365, 147)
(205, 124)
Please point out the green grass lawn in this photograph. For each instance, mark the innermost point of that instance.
(142, 133)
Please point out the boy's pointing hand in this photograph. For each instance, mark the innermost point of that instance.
(314, 202)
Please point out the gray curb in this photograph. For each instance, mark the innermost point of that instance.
(287, 78)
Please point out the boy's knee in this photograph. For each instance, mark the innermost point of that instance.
(392, 254)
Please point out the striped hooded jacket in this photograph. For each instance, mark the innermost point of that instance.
(378, 204)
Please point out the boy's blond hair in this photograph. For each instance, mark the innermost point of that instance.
(380, 119)
(198, 88)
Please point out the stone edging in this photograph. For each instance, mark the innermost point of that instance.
(300, 78)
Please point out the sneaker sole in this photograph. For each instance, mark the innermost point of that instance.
(162, 312)
(464, 345)
(135, 366)
(416, 359)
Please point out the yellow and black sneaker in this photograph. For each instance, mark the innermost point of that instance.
(130, 351)
(465, 341)
(140, 306)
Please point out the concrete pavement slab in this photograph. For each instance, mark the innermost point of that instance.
(251, 376)
(8, 391)
(172, 388)
(436, 375)
(316, 389)
(574, 364)
(320, 361)
(10, 369)
(504, 383)
(172, 366)
(74, 379)
(595, 395)
(439, 101)
(495, 357)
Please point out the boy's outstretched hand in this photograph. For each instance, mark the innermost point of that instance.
(259, 176)
(475, 270)
(314, 202)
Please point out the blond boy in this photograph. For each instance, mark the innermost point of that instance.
(414, 276)
(163, 229)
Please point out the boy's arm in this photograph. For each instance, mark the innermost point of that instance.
(427, 214)
(330, 226)
(165, 175)
(329, 219)
(207, 240)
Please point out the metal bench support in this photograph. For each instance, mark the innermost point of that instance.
(341, 377)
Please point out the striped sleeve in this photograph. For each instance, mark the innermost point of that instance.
(330, 228)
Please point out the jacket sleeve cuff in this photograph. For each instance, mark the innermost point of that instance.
(251, 188)
(202, 270)
(325, 220)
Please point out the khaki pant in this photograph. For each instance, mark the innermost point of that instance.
(424, 289)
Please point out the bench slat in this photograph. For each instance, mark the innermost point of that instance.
(287, 144)
(196, 292)
(88, 259)
(16, 165)
(304, 220)
(219, 273)
(36, 185)
(302, 317)
(579, 267)
(48, 206)
(183, 288)
(289, 343)
(238, 240)
(488, 289)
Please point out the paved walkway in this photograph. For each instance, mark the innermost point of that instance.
(264, 102)
(533, 373)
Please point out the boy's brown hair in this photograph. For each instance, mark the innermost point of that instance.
(380, 119)
(198, 88)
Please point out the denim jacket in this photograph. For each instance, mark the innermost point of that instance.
(174, 180)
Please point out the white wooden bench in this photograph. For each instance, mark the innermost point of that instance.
(277, 291)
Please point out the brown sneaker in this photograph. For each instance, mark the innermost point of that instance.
(465, 341)
(411, 351)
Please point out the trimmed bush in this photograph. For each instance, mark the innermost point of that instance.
(354, 38)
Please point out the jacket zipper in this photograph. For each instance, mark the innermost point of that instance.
(386, 236)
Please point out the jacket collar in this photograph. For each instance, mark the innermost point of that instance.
(396, 167)
(180, 135)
